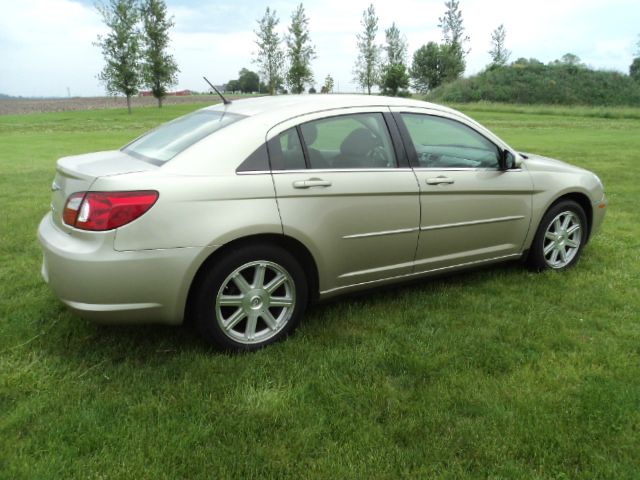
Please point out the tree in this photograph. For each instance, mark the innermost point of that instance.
(328, 85)
(300, 53)
(451, 24)
(425, 69)
(368, 62)
(499, 54)
(159, 69)
(454, 37)
(634, 69)
(121, 48)
(248, 81)
(232, 86)
(434, 65)
(571, 59)
(395, 80)
(394, 77)
(270, 57)
(396, 47)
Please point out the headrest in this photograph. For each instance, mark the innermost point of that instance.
(309, 132)
(358, 143)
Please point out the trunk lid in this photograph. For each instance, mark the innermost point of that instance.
(79, 172)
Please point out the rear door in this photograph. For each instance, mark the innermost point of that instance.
(345, 189)
(472, 211)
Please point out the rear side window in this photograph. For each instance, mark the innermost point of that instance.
(360, 140)
(165, 142)
(285, 151)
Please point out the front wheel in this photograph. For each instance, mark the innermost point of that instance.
(250, 298)
(560, 237)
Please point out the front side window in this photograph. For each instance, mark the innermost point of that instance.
(162, 144)
(445, 143)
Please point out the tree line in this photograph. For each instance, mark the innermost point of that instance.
(384, 66)
(135, 52)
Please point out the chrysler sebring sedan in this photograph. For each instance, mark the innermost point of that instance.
(237, 216)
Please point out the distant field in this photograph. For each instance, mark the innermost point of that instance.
(20, 106)
(497, 373)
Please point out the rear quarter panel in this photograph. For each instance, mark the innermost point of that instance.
(196, 211)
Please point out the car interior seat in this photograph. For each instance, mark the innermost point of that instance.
(310, 134)
(356, 149)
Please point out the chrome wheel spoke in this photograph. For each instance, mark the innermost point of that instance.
(275, 283)
(230, 300)
(548, 248)
(250, 329)
(557, 225)
(572, 243)
(567, 220)
(269, 319)
(234, 319)
(573, 229)
(550, 236)
(554, 256)
(258, 278)
(241, 283)
(281, 302)
(563, 254)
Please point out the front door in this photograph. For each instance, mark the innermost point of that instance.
(472, 211)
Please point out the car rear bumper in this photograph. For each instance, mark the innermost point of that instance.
(108, 286)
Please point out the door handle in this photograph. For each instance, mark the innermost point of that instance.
(312, 182)
(439, 180)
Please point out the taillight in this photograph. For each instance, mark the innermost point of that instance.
(99, 211)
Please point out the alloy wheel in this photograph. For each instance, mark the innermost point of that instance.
(255, 302)
(562, 239)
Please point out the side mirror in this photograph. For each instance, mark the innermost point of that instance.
(508, 160)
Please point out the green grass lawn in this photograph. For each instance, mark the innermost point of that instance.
(496, 373)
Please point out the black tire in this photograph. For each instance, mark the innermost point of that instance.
(559, 248)
(221, 283)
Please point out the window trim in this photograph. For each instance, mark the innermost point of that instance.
(413, 154)
(402, 158)
(305, 149)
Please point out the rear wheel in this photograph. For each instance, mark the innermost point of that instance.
(560, 237)
(250, 298)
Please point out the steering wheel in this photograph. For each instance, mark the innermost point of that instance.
(429, 159)
(379, 157)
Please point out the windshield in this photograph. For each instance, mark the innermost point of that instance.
(166, 141)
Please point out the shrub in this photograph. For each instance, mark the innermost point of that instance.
(532, 82)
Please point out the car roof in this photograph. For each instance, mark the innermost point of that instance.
(280, 107)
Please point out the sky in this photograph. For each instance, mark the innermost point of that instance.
(47, 46)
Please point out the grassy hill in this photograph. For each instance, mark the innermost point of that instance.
(532, 82)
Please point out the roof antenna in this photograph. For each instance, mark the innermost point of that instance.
(224, 100)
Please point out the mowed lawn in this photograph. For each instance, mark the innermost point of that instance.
(495, 373)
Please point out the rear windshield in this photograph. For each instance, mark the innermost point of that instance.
(165, 142)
